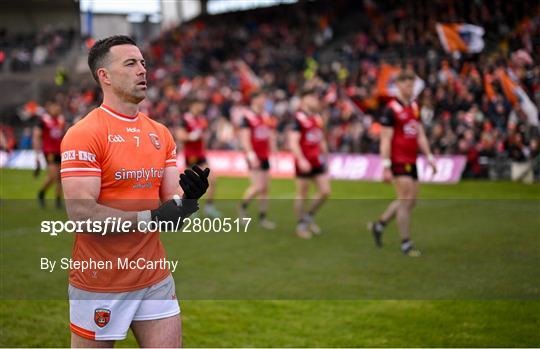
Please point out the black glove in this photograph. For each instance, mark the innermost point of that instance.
(174, 210)
(194, 182)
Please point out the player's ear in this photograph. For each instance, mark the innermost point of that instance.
(103, 76)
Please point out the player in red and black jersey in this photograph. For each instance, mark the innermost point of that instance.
(193, 133)
(47, 137)
(401, 135)
(257, 136)
(308, 144)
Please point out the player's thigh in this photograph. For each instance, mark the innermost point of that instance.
(262, 180)
(160, 333)
(80, 342)
(54, 169)
(265, 179)
(415, 189)
(302, 187)
(322, 182)
(405, 187)
(254, 176)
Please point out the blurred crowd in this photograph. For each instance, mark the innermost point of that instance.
(21, 52)
(340, 48)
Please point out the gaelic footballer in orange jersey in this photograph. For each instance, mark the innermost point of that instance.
(129, 154)
(118, 163)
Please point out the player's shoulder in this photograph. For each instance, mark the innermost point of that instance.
(250, 115)
(87, 126)
(152, 124)
(301, 116)
(394, 105)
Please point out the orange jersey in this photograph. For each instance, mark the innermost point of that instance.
(129, 154)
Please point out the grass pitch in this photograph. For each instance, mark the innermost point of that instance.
(477, 284)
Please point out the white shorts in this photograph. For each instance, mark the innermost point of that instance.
(108, 316)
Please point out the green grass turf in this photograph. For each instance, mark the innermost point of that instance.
(476, 285)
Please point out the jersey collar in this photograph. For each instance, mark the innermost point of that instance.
(118, 115)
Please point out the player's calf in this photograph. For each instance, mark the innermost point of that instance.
(377, 229)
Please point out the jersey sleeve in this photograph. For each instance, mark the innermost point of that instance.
(170, 147)
(244, 123)
(37, 122)
(182, 122)
(296, 125)
(387, 117)
(81, 153)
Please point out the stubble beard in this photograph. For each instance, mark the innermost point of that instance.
(129, 95)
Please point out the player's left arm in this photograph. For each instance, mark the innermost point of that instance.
(273, 141)
(37, 138)
(324, 145)
(169, 184)
(424, 147)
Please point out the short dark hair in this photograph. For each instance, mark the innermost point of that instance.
(257, 93)
(406, 74)
(308, 91)
(100, 50)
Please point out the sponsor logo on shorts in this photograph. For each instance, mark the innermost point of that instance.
(102, 317)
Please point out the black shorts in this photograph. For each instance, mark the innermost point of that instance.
(264, 165)
(315, 171)
(53, 158)
(195, 160)
(405, 169)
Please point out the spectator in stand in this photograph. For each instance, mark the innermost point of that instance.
(331, 48)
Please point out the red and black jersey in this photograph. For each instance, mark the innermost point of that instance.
(52, 132)
(405, 121)
(261, 127)
(194, 149)
(310, 127)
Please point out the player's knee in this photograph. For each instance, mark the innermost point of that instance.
(325, 193)
(263, 189)
(301, 192)
(408, 203)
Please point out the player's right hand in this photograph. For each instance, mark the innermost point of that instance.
(194, 135)
(387, 175)
(304, 165)
(253, 161)
(194, 182)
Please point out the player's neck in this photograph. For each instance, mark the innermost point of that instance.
(405, 100)
(307, 110)
(121, 107)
